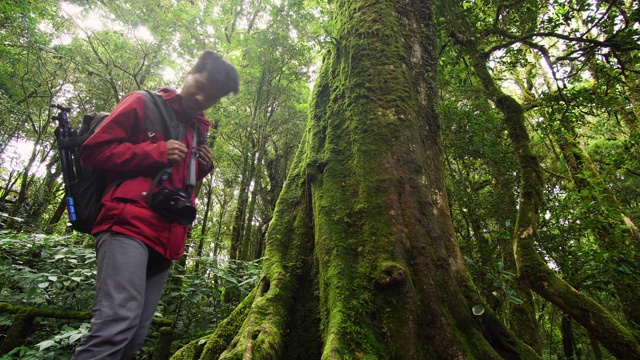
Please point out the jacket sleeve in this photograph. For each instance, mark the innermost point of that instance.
(115, 146)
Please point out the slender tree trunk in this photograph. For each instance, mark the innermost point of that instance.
(237, 248)
(596, 350)
(207, 213)
(568, 340)
(43, 197)
(241, 209)
(259, 250)
(10, 182)
(223, 204)
(19, 204)
(250, 242)
(203, 228)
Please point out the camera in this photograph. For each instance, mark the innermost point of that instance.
(175, 205)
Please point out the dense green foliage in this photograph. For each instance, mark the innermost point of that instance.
(58, 272)
(571, 68)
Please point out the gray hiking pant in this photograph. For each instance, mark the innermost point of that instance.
(130, 280)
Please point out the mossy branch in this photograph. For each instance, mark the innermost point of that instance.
(620, 341)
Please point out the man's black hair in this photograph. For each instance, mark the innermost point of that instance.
(219, 70)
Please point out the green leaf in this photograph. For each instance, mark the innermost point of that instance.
(73, 338)
(30, 291)
(45, 344)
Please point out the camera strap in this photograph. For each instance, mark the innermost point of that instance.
(159, 179)
(191, 171)
(191, 176)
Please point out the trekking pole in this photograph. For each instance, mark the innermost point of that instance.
(69, 155)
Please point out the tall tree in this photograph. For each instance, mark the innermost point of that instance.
(361, 258)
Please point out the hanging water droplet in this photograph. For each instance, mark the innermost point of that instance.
(478, 310)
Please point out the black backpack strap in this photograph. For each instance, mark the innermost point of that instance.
(156, 107)
(202, 137)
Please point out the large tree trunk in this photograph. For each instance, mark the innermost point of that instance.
(361, 258)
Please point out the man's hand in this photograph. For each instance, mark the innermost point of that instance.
(205, 158)
(176, 151)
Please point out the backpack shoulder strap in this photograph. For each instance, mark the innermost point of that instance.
(200, 134)
(159, 115)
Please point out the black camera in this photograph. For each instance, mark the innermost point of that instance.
(175, 205)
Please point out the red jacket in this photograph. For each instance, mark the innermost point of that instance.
(122, 145)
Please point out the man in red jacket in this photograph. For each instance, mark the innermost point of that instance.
(134, 243)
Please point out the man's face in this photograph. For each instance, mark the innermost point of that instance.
(198, 93)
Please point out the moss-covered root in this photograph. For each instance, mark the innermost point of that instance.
(211, 346)
(193, 350)
(262, 333)
(503, 340)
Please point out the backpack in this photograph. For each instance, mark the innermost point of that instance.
(84, 193)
